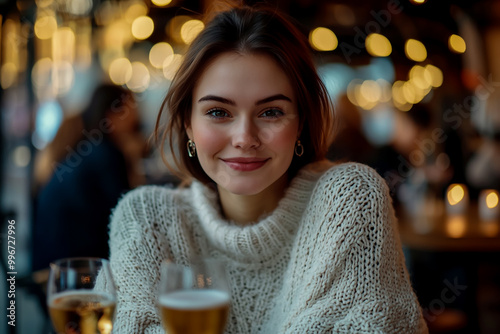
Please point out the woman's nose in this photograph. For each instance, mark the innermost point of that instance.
(246, 135)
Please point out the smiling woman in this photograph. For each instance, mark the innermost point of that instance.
(309, 246)
(245, 122)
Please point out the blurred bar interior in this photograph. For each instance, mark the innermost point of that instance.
(416, 86)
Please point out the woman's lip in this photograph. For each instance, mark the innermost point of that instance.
(245, 164)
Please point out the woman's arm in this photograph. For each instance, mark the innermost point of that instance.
(354, 278)
(135, 257)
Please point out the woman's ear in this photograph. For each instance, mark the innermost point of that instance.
(189, 130)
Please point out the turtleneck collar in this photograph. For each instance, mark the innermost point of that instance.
(265, 238)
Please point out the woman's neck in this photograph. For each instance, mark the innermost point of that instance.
(246, 209)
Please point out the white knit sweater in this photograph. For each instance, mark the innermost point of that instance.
(327, 260)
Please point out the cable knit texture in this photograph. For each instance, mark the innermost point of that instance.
(327, 260)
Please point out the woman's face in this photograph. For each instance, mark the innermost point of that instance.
(244, 123)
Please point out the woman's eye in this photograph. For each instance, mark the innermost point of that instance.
(272, 113)
(217, 113)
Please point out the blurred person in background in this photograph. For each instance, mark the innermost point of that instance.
(93, 159)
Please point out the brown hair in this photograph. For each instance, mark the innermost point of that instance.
(249, 30)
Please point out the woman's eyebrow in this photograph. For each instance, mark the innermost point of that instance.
(217, 99)
(274, 98)
(231, 102)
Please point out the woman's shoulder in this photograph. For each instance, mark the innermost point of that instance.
(146, 208)
(148, 197)
(350, 174)
(350, 182)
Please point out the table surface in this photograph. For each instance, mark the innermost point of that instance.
(442, 232)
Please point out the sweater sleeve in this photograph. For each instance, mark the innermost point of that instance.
(353, 276)
(135, 259)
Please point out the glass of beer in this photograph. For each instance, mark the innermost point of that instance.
(194, 299)
(81, 296)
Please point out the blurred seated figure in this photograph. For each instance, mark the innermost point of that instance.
(68, 134)
(93, 160)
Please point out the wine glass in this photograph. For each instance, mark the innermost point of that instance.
(194, 299)
(81, 296)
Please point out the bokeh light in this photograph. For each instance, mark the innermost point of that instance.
(456, 194)
(140, 78)
(161, 3)
(171, 65)
(142, 27)
(378, 45)
(492, 200)
(158, 53)
(436, 75)
(323, 39)
(45, 27)
(120, 71)
(415, 50)
(457, 44)
(21, 156)
(191, 29)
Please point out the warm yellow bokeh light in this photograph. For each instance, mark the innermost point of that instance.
(158, 53)
(410, 93)
(45, 27)
(120, 71)
(139, 81)
(63, 45)
(456, 226)
(420, 77)
(456, 194)
(8, 75)
(385, 89)
(415, 50)
(190, 30)
(161, 3)
(371, 91)
(323, 39)
(142, 27)
(492, 200)
(397, 92)
(135, 10)
(43, 3)
(418, 2)
(378, 45)
(436, 75)
(351, 88)
(171, 65)
(117, 35)
(403, 106)
(41, 73)
(417, 93)
(457, 44)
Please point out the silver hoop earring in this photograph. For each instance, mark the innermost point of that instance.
(299, 149)
(191, 148)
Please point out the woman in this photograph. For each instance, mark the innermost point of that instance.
(90, 166)
(310, 247)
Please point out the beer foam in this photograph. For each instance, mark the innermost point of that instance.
(79, 296)
(194, 299)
